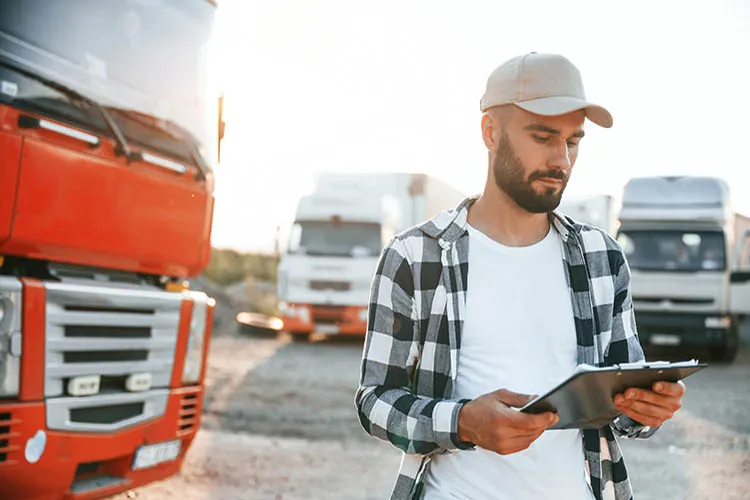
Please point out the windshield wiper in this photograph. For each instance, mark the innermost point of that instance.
(171, 130)
(121, 148)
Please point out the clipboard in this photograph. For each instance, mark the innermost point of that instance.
(586, 399)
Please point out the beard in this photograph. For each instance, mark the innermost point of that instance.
(510, 178)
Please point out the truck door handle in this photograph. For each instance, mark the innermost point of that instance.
(25, 121)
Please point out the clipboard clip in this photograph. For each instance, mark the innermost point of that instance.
(656, 364)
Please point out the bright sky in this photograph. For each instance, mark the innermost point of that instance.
(394, 85)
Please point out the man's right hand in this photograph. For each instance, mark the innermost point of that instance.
(490, 422)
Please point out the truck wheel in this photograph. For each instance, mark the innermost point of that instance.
(729, 350)
(300, 337)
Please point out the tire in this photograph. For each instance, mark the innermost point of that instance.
(728, 351)
(300, 337)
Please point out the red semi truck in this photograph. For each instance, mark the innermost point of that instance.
(107, 137)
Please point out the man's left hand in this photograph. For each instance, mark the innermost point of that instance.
(651, 408)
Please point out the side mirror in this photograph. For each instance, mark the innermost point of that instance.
(221, 126)
(277, 242)
(740, 277)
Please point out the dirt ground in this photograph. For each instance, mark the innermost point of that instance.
(280, 423)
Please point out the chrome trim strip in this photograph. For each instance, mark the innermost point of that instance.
(89, 139)
(164, 163)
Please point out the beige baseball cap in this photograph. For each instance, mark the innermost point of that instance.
(543, 84)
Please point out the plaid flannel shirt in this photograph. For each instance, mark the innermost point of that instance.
(410, 358)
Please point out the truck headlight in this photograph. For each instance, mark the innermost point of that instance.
(191, 373)
(286, 310)
(295, 311)
(363, 315)
(10, 336)
(718, 322)
(303, 313)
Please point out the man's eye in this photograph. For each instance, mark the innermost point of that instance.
(539, 138)
(572, 144)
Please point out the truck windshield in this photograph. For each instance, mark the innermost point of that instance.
(339, 239)
(146, 62)
(686, 251)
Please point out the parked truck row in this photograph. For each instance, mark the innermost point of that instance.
(688, 251)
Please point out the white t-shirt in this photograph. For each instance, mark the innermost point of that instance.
(519, 334)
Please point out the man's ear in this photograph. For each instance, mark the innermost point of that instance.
(490, 131)
(494, 121)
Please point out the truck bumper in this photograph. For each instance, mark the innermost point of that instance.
(84, 466)
(331, 320)
(674, 329)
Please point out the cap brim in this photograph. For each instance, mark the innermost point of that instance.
(555, 106)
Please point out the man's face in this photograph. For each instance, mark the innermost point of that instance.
(535, 156)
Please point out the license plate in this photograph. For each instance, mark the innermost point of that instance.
(155, 454)
(664, 339)
(327, 328)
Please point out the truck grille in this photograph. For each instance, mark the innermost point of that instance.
(111, 414)
(189, 414)
(112, 331)
(7, 441)
(690, 301)
(336, 286)
(99, 332)
(327, 315)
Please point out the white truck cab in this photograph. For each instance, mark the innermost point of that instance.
(689, 256)
(338, 234)
(324, 277)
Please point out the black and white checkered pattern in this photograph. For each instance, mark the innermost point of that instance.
(410, 358)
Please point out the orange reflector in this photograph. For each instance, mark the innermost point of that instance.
(177, 286)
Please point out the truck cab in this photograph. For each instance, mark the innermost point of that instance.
(683, 243)
(340, 230)
(324, 277)
(106, 140)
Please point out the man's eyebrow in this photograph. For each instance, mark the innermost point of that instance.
(542, 128)
(538, 127)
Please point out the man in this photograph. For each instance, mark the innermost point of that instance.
(484, 305)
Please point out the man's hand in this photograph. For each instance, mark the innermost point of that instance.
(490, 423)
(652, 408)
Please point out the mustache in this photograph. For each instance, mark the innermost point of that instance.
(549, 174)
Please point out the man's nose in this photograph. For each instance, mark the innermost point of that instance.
(561, 158)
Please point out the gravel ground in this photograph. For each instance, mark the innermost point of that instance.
(279, 423)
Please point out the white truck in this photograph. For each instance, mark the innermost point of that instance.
(598, 210)
(689, 255)
(338, 234)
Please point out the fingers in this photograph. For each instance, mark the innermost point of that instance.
(516, 444)
(643, 418)
(675, 390)
(513, 399)
(532, 422)
(525, 421)
(656, 415)
(672, 403)
(520, 425)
